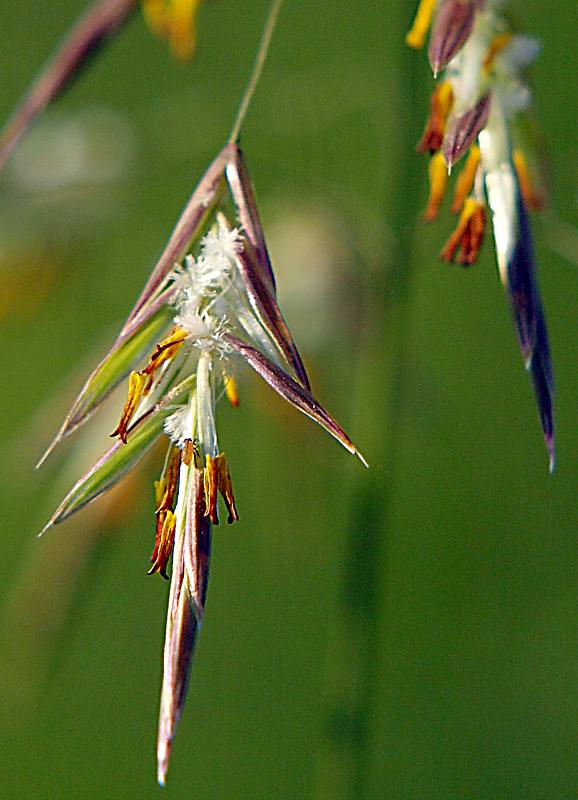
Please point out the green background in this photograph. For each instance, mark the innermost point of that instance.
(408, 632)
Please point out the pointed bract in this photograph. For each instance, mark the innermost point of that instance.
(463, 130)
(291, 391)
(247, 212)
(190, 227)
(452, 26)
(531, 326)
(267, 310)
(123, 357)
(113, 465)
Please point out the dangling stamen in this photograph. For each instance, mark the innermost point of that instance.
(211, 484)
(231, 390)
(226, 488)
(438, 180)
(466, 178)
(166, 490)
(501, 41)
(165, 537)
(174, 20)
(166, 350)
(468, 234)
(441, 103)
(170, 482)
(532, 195)
(421, 24)
(137, 383)
(190, 453)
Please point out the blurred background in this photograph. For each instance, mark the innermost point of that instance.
(407, 632)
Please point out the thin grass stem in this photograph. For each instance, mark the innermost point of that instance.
(258, 65)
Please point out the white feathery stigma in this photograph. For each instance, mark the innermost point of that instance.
(177, 426)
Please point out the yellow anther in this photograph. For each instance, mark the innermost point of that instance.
(226, 488)
(501, 41)
(175, 21)
(136, 389)
(438, 180)
(166, 350)
(160, 486)
(165, 537)
(468, 235)
(466, 178)
(211, 485)
(445, 97)
(231, 391)
(533, 194)
(416, 36)
(155, 14)
(441, 103)
(183, 28)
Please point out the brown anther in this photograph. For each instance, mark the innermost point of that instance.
(441, 102)
(466, 178)
(468, 235)
(170, 481)
(226, 488)
(438, 180)
(190, 452)
(164, 540)
(166, 350)
(136, 389)
(211, 485)
(501, 41)
(533, 195)
(231, 390)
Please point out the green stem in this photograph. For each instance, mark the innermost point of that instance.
(357, 660)
(258, 65)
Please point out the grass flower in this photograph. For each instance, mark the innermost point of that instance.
(480, 111)
(209, 304)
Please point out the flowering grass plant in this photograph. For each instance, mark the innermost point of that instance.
(480, 111)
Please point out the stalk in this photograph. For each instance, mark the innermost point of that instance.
(258, 65)
(356, 659)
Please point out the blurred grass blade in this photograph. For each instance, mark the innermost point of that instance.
(190, 226)
(122, 358)
(246, 207)
(264, 304)
(291, 391)
(101, 22)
